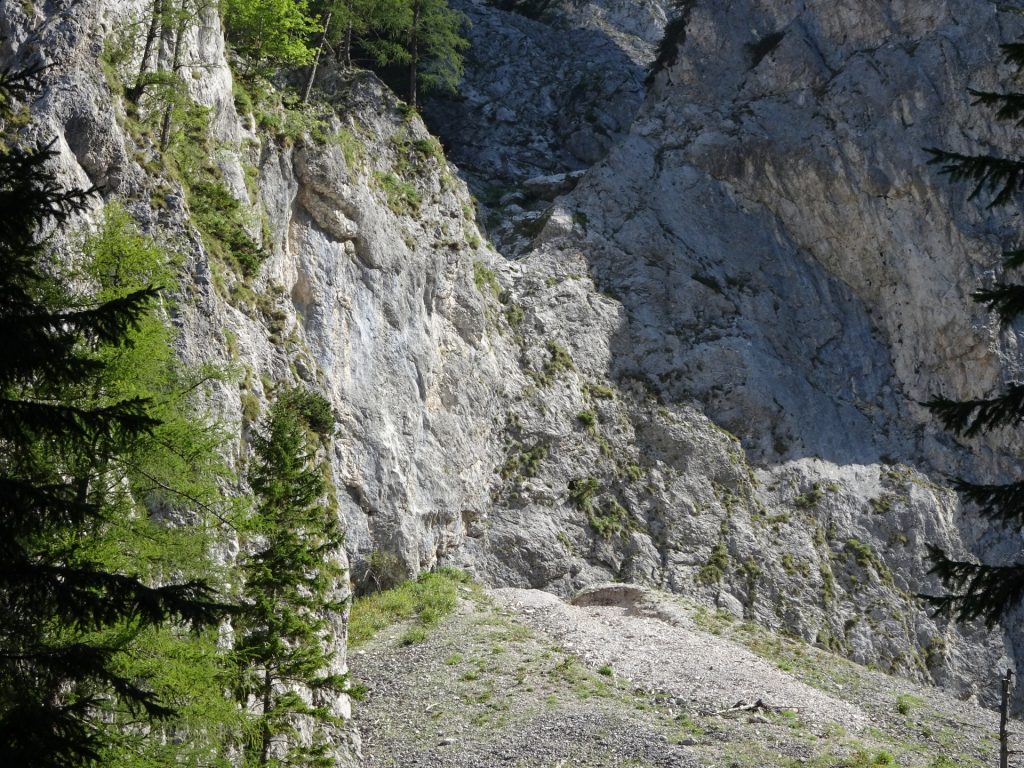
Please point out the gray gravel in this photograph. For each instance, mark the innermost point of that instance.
(630, 677)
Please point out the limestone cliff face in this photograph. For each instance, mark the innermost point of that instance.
(368, 292)
(761, 251)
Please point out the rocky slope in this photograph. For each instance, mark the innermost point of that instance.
(620, 677)
(761, 251)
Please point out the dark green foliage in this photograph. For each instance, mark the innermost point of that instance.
(982, 591)
(987, 591)
(435, 47)
(1006, 301)
(809, 498)
(423, 36)
(588, 419)
(531, 9)
(610, 519)
(715, 568)
(523, 462)
(284, 631)
(559, 362)
(1001, 177)
(69, 432)
(972, 417)
(582, 491)
(219, 216)
(673, 39)
(312, 407)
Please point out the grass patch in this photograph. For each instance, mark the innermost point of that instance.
(612, 518)
(402, 197)
(221, 219)
(559, 362)
(425, 601)
(810, 498)
(717, 564)
(486, 279)
(905, 703)
(582, 491)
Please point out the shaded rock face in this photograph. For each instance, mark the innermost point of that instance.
(808, 125)
(550, 87)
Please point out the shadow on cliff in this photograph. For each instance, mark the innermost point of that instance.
(539, 97)
(725, 313)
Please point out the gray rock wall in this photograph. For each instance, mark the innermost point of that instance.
(766, 248)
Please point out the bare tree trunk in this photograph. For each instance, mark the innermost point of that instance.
(414, 51)
(1004, 747)
(134, 93)
(347, 54)
(179, 33)
(316, 61)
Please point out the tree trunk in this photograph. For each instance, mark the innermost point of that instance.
(414, 51)
(268, 702)
(347, 57)
(316, 61)
(179, 33)
(1004, 746)
(134, 93)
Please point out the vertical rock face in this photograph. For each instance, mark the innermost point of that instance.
(368, 291)
(761, 249)
(809, 125)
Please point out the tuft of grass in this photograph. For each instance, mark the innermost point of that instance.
(582, 491)
(717, 564)
(612, 518)
(588, 419)
(425, 601)
(905, 703)
(810, 498)
(486, 279)
(402, 197)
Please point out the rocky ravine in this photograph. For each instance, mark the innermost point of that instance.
(551, 421)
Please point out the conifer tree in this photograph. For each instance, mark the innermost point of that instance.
(169, 507)
(981, 590)
(284, 641)
(424, 36)
(434, 47)
(65, 614)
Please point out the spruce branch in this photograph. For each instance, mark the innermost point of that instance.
(969, 418)
(977, 591)
(1000, 176)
